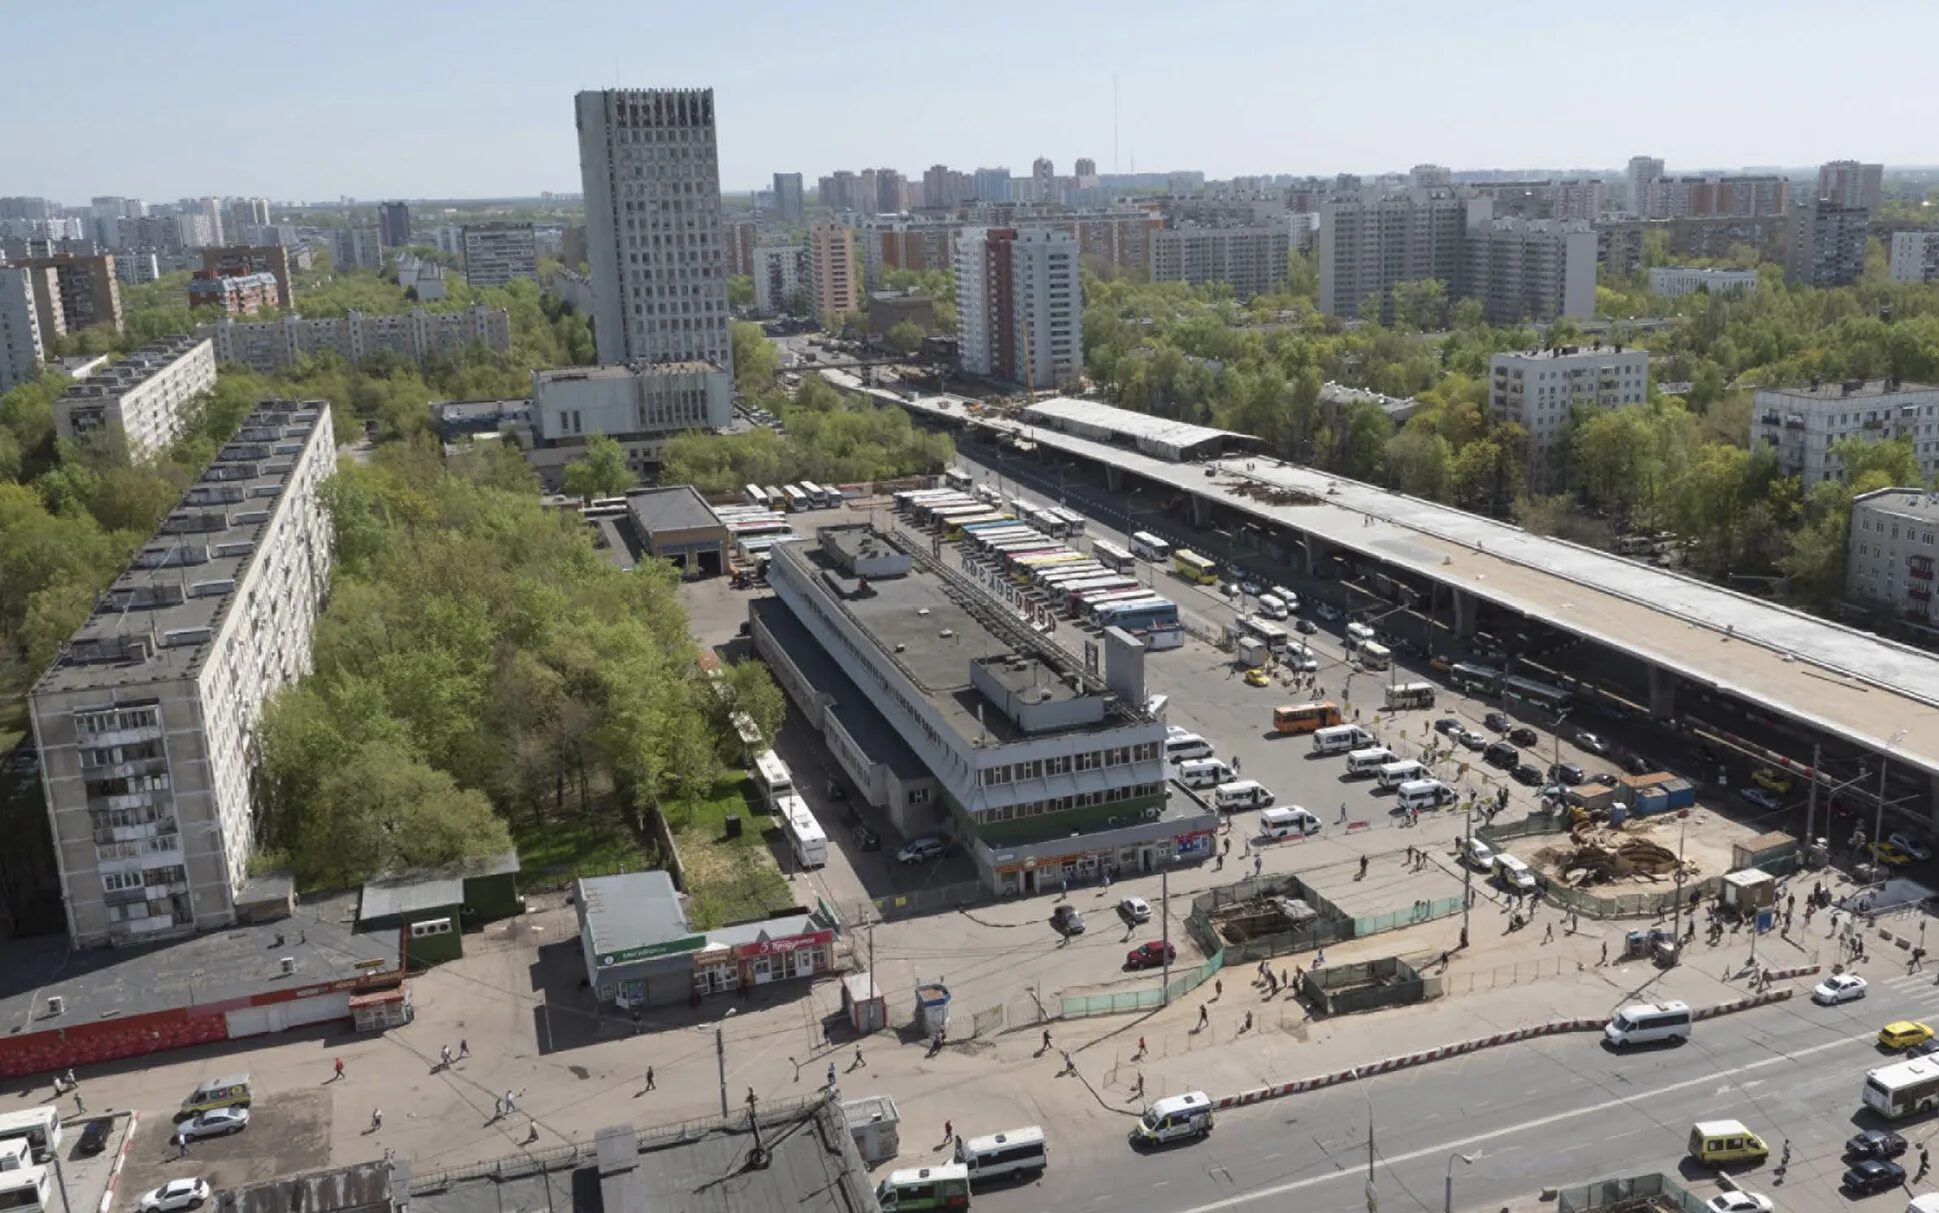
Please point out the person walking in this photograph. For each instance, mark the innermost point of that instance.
(650, 1083)
(1343, 813)
(510, 1105)
(376, 1119)
(1046, 1047)
(497, 1107)
(1218, 989)
(181, 1144)
(1204, 1016)
(1141, 1047)
(464, 1047)
(949, 1131)
(1605, 952)
(339, 1070)
(1548, 935)
(444, 1056)
(861, 1061)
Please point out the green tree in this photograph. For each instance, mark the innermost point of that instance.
(1421, 463)
(904, 338)
(380, 810)
(1364, 444)
(755, 358)
(601, 471)
(740, 290)
(753, 691)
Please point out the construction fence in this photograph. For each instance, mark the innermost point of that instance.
(1586, 902)
(1079, 1006)
(1633, 1194)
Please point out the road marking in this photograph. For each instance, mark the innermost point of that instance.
(1394, 1160)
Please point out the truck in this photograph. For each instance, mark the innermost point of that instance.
(1251, 650)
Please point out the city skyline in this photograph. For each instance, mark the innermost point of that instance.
(372, 132)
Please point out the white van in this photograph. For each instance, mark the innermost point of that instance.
(1340, 738)
(1183, 747)
(1425, 794)
(1928, 1203)
(1175, 1117)
(1645, 1023)
(1286, 596)
(1242, 794)
(1365, 762)
(1514, 874)
(1272, 608)
(1286, 823)
(1205, 773)
(1004, 1153)
(1393, 774)
(1358, 634)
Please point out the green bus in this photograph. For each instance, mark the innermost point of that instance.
(943, 1186)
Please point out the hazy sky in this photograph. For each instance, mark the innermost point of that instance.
(474, 97)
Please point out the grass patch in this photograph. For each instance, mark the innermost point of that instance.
(728, 879)
(583, 844)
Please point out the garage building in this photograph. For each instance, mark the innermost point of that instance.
(677, 524)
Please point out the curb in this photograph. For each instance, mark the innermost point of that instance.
(120, 1156)
(1407, 1060)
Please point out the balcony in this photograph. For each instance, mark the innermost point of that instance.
(1920, 567)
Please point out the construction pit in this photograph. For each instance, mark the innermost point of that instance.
(1638, 854)
(1262, 918)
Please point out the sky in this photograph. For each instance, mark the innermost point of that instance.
(473, 98)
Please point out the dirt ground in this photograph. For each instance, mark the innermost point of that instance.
(1704, 839)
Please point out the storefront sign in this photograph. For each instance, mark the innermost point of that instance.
(668, 947)
(787, 943)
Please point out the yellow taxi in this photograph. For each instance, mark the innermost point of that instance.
(1771, 780)
(1903, 1034)
(1256, 677)
(1891, 853)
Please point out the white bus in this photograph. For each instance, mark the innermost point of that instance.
(1097, 602)
(26, 1190)
(817, 496)
(1271, 634)
(1903, 1088)
(755, 495)
(1373, 656)
(1072, 520)
(1146, 546)
(39, 1127)
(777, 501)
(805, 836)
(1111, 556)
(797, 500)
(1411, 695)
(774, 777)
(958, 480)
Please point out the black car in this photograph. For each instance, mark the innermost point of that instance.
(1567, 774)
(1522, 735)
(1873, 1175)
(1528, 773)
(1067, 921)
(1636, 764)
(94, 1138)
(1875, 1143)
(1306, 627)
(1501, 754)
(1448, 725)
(865, 838)
(1498, 721)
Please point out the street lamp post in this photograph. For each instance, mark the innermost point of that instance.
(1164, 932)
(1467, 874)
(1447, 1197)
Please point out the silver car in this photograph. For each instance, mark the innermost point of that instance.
(216, 1122)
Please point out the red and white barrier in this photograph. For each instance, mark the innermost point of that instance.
(120, 1156)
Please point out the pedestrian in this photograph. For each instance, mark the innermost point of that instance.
(181, 1145)
(1046, 1047)
(1218, 989)
(376, 1119)
(1204, 1016)
(1141, 1046)
(1605, 952)
(339, 1073)
(1343, 812)
(444, 1056)
(1070, 1067)
(1258, 862)
(1248, 1026)
(949, 1131)
(497, 1107)
(1548, 936)
(1063, 888)
(1238, 765)
(831, 1075)
(861, 1061)
(650, 1083)
(78, 1105)
(1925, 1163)
(464, 1047)
(510, 1106)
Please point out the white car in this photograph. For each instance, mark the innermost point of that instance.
(1134, 910)
(1303, 661)
(216, 1122)
(1479, 854)
(175, 1194)
(1740, 1202)
(1592, 743)
(1840, 987)
(1327, 611)
(1910, 845)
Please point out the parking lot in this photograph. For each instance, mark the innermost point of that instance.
(86, 1173)
(287, 1134)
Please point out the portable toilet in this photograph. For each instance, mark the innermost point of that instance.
(932, 1007)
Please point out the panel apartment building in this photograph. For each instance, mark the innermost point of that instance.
(834, 278)
(1890, 553)
(1019, 305)
(1251, 258)
(782, 274)
(140, 403)
(1040, 773)
(496, 253)
(1914, 257)
(146, 722)
(21, 348)
(74, 291)
(1803, 423)
(268, 345)
(1539, 390)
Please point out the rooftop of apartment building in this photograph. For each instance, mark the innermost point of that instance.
(134, 370)
(1563, 353)
(1846, 389)
(920, 622)
(155, 623)
(622, 370)
(1922, 504)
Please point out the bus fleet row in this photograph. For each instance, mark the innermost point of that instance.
(806, 838)
(793, 498)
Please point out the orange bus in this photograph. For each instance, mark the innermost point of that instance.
(1306, 717)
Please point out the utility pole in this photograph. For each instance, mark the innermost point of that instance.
(1676, 924)
(720, 1058)
(1467, 874)
(1164, 913)
(1811, 801)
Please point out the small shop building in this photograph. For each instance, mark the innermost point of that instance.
(433, 908)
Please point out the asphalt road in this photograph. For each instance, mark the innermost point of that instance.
(1559, 1111)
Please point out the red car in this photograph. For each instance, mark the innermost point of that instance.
(1150, 955)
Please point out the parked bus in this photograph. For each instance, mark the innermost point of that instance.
(959, 480)
(755, 495)
(777, 501)
(1411, 695)
(821, 494)
(39, 1127)
(1013, 557)
(1271, 634)
(1305, 717)
(937, 1186)
(26, 1190)
(774, 777)
(1146, 546)
(1541, 694)
(805, 836)
(1072, 520)
(1111, 556)
(1058, 576)
(1098, 600)
(1482, 679)
(797, 500)
(1373, 656)
(1903, 1088)
(954, 528)
(1194, 567)
(1030, 566)
(1104, 583)
(1141, 617)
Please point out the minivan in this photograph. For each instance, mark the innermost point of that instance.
(231, 1092)
(1339, 738)
(1272, 608)
(1242, 794)
(1358, 634)
(1286, 596)
(1514, 874)
(1286, 823)
(1004, 1153)
(1175, 1117)
(1393, 774)
(1183, 747)
(1645, 1023)
(1424, 794)
(1366, 762)
(1726, 1141)
(1205, 773)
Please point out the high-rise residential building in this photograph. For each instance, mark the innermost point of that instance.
(146, 723)
(1675, 281)
(1802, 424)
(1851, 184)
(992, 185)
(739, 236)
(845, 191)
(1825, 244)
(1019, 305)
(20, 345)
(1914, 256)
(450, 239)
(943, 186)
(1251, 258)
(1552, 199)
(1043, 180)
(496, 253)
(394, 224)
(139, 405)
(1117, 236)
(84, 293)
(1540, 390)
(1430, 176)
(1715, 195)
(235, 294)
(1890, 553)
(270, 345)
(905, 242)
(651, 168)
(782, 274)
(891, 192)
(1368, 242)
(1530, 269)
(1642, 171)
(357, 248)
(834, 278)
(788, 202)
(1084, 173)
(16, 206)
(237, 259)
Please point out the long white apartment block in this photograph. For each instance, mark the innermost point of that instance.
(1802, 424)
(1540, 390)
(1891, 551)
(146, 722)
(1914, 256)
(20, 344)
(1676, 281)
(142, 401)
(1251, 258)
(417, 334)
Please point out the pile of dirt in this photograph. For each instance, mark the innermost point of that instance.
(1605, 856)
(1272, 494)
